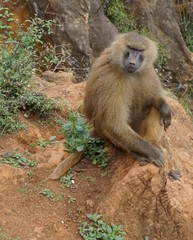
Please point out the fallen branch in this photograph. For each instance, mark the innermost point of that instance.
(66, 164)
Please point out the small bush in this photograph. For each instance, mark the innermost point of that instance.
(116, 12)
(19, 61)
(186, 26)
(77, 138)
(98, 229)
(34, 102)
(8, 111)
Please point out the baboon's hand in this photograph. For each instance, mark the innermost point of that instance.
(158, 160)
(165, 116)
(166, 120)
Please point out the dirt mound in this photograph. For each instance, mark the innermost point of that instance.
(147, 200)
(155, 202)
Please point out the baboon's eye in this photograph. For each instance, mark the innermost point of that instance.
(141, 57)
(127, 54)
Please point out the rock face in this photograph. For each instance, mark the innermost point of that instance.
(160, 18)
(81, 32)
(101, 31)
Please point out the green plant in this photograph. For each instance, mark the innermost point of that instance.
(98, 229)
(59, 197)
(162, 55)
(116, 12)
(18, 55)
(24, 189)
(6, 17)
(106, 172)
(19, 59)
(187, 100)
(29, 174)
(67, 179)
(90, 179)
(47, 193)
(38, 103)
(18, 160)
(4, 236)
(71, 200)
(77, 138)
(44, 143)
(47, 58)
(186, 26)
(8, 111)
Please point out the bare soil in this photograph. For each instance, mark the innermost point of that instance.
(24, 211)
(29, 215)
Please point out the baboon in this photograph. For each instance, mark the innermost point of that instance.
(124, 97)
(125, 101)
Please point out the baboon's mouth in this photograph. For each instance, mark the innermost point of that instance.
(131, 69)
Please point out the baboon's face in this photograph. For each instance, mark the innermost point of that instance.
(133, 53)
(133, 60)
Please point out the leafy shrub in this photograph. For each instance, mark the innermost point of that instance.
(184, 16)
(19, 57)
(8, 110)
(116, 12)
(186, 26)
(37, 103)
(77, 138)
(98, 229)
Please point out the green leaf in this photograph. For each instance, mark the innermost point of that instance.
(118, 238)
(67, 125)
(80, 148)
(108, 229)
(97, 229)
(52, 138)
(79, 128)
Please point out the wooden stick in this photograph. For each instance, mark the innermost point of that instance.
(66, 164)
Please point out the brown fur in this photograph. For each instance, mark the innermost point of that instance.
(122, 105)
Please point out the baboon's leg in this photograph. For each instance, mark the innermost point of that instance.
(151, 127)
